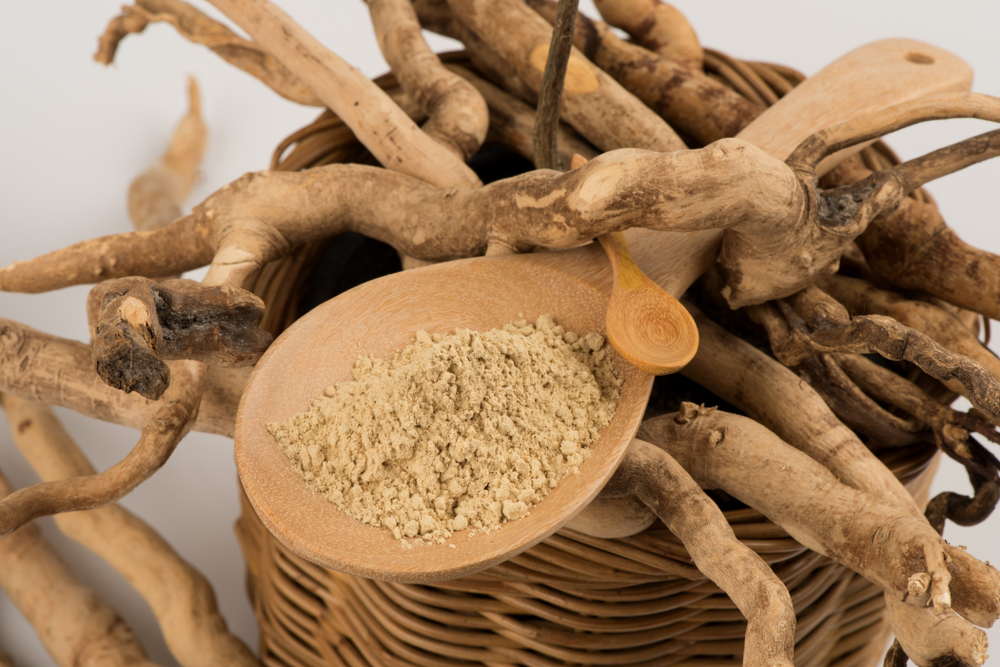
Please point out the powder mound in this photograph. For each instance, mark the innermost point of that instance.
(463, 430)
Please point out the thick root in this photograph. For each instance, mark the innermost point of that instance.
(774, 395)
(144, 323)
(885, 544)
(159, 437)
(597, 106)
(77, 627)
(931, 638)
(262, 216)
(180, 597)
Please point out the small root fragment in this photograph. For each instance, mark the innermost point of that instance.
(157, 441)
(77, 628)
(180, 596)
(143, 324)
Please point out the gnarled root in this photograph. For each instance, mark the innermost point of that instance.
(58, 371)
(944, 328)
(656, 479)
(885, 544)
(77, 628)
(180, 597)
(887, 337)
(259, 217)
(159, 437)
(143, 324)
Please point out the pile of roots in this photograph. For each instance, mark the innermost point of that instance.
(838, 314)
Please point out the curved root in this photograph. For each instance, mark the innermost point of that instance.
(656, 479)
(159, 437)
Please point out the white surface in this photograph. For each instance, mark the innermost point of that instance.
(73, 134)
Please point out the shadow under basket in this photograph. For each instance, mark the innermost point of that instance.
(570, 600)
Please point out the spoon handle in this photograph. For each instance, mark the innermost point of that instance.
(627, 274)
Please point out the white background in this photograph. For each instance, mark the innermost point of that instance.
(74, 133)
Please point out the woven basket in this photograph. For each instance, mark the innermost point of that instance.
(572, 599)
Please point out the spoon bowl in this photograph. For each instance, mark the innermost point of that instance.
(379, 318)
(645, 323)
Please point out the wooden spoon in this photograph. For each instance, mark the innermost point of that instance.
(645, 323)
(381, 316)
(378, 318)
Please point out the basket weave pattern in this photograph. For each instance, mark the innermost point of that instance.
(572, 599)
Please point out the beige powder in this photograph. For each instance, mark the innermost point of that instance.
(456, 431)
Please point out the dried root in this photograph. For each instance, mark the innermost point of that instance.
(941, 326)
(656, 25)
(457, 114)
(774, 395)
(885, 336)
(593, 103)
(143, 323)
(156, 196)
(693, 104)
(887, 545)
(77, 628)
(656, 479)
(180, 597)
(160, 435)
(196, 27)
(57, 371)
